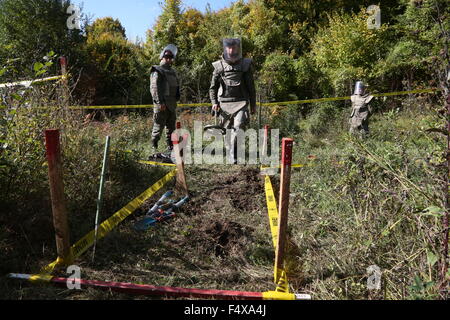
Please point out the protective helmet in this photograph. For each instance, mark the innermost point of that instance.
(232, 49)
(360, 88)
(171, 48)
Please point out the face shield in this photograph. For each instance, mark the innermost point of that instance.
(232, 50)
(360, 88)
(170, 49)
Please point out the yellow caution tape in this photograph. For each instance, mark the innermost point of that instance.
(292, 166)
(143, 106)
(49, 269)
(84, 243)
(348, 98)
(281, 280)
(266, 104)
(40, 277)
(158, 163)
(272, 209)
(280, 276)
(103, 229)
(274, 295)
(194, 105)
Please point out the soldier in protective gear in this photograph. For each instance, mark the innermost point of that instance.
(232, 92)
(361, 111)
(165, 91)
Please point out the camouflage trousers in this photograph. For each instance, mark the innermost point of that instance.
(164, 119)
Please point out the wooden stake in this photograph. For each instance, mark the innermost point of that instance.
(59, 210)
(63, 63)
(181, 184)
(286, 162)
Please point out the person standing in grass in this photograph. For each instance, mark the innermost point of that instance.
(232, 92)
(361, 111)
(165, 91)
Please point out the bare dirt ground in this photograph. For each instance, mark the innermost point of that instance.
(219, 240)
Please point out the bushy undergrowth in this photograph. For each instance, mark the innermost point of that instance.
(373, 202)
(26, 228)
(360, 203)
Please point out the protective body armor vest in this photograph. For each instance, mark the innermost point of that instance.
(359, 104)
(232, 86)
(170, 83)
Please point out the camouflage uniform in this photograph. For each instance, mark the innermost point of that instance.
(359, 118)
(232, 87)
(165, 89)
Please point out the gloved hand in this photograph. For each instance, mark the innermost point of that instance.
(215, 110)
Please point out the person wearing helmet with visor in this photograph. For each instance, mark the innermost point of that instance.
(359, 117)
(165, 91)
(232, 92)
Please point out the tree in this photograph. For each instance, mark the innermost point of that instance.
(167, 28)
(348, 50)
(416, 56)
(107, 25)
(115, 64)
(31, 29)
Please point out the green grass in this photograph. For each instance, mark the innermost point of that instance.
(361, 203)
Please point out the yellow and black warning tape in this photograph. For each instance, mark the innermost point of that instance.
(280, 276)
(348, 97)
(265, 104)
(153, 163)
(109, 224)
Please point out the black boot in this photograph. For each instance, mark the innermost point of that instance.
(169, 145)
(154, 145)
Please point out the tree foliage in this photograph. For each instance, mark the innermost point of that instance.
(30, 29)
(300, 48)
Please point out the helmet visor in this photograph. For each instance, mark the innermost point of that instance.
(360, 87)
(232, 49)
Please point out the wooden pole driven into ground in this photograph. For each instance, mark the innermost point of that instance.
(65, 81)
(286, 162)
(180, 184)
(53, 149)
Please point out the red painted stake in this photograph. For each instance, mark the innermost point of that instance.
(286, 162)
(59, 210)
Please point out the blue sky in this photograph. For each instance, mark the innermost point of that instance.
(137, 16)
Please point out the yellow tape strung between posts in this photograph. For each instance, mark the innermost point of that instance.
(158, 163)
(293, 166)
(265, 104)
(280, 277)
(103, 229)
(348, 98)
